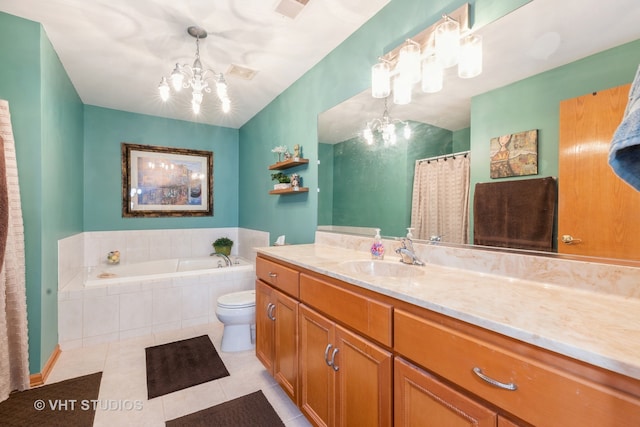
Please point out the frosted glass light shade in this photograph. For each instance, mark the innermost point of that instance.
(447, 42)
(432, 75)
(470, 59)
(380, 80)
(409, 62)
(401, 91)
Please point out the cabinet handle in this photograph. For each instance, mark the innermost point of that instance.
(274, 275)
(326, 354)
(333, 359)
(506, 386)
(270, 308)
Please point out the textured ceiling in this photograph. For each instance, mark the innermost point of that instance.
(116, 51)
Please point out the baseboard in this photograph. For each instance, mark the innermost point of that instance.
(39, 378)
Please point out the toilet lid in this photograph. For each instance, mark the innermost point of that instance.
(238, 299)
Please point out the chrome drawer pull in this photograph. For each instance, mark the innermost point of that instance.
(506, 386)
(333, 360)
(326, 355)
(274, 275)
(270, 308)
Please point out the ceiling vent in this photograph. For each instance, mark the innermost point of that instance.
(291, 8)
(241, 72)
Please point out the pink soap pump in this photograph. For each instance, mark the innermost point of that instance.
(377, 248)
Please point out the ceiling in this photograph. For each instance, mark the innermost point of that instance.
(116, 51)
(539, 36)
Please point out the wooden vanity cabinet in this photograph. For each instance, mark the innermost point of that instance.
(538, 387)
(345, 379)
(422, 400)
(277, 325)
(351, 357)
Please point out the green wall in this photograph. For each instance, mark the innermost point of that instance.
(46, 117)
(534, 103)
(292, 117)
(360, 173)
(106, 129)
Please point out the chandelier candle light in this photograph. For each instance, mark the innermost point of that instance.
(424, 57)
(186, 76)
(385, 126)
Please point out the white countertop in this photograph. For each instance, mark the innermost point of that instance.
(597, 328)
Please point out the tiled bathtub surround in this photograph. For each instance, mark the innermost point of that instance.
(90, 249)
(580, 274)
(101, 314)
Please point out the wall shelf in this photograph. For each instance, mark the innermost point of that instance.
(286, 164)
(290, 191)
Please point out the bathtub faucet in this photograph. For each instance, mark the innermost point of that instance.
(227, 261)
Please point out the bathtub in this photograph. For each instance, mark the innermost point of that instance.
(117, 302)
(161, 269)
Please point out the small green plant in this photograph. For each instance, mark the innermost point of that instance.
(280, 177)
(223, 246)
(223, 241)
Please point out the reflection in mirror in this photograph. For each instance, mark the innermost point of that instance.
(371, 187)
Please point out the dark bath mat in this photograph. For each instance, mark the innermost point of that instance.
(252, 410)
(182, 364)
(65, 403)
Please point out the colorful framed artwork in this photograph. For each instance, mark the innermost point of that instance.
(514, 154)
(164, 181)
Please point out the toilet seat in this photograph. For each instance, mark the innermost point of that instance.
(238, 300)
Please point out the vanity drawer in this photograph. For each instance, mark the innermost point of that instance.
(367, 316)
(278, 276)
(544, 395)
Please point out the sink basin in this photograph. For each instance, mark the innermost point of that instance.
(382, 268)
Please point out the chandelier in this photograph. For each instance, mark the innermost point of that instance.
(424, 58)
(185, 76)
(386, 127)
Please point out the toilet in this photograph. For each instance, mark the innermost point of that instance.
(237, 311)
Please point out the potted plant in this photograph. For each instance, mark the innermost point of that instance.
(223, 246)
(283, 181)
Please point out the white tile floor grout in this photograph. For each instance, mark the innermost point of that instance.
(123, 391)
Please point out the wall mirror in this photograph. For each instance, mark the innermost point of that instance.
(512, 51)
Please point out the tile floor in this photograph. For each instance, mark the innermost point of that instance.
(124, 388)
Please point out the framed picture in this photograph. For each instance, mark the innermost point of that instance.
(514, 154)
(163, 181)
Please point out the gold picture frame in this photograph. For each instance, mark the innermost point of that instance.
(166, 182)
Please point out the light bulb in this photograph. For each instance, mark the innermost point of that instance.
(447, 41)
(470, 63)
(380, 80)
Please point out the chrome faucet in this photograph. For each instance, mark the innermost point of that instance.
(407, 254)
(227, 260)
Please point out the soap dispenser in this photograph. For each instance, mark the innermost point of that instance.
(410, 233)
(377, 248)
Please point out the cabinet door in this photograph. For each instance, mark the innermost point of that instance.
(363, 382)
(265, 344)
(316, 377)
(285, 368)
(421, 400)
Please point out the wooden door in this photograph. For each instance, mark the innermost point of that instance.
(594, 205)
(423, 401)
(285, 368)
(316, 376)
(363, 382)
(265, 344)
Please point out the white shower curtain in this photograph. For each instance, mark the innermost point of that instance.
(440, 203)
(14, 354)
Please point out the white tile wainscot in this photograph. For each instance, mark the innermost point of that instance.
(116, 312)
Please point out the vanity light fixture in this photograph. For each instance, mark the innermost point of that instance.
(197, 78)
(424, 57)
(386, 127)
